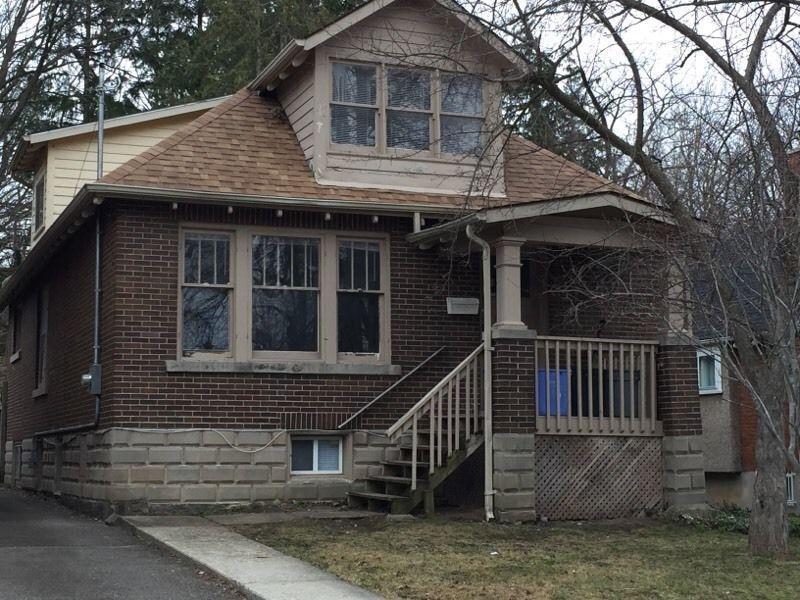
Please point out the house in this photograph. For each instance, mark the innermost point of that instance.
(728, 412)
(328, 285)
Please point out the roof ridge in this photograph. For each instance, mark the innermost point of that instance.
(130, 166)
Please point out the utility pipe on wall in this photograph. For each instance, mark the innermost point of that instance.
(488, 445)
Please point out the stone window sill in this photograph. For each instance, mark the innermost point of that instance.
(39, 392)
(14, 357)
(292, 368)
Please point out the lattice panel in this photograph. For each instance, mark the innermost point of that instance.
(587, 477)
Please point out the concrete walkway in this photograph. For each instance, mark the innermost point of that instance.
(48, 552)
(257, 570)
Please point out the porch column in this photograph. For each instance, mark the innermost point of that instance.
(509, 289)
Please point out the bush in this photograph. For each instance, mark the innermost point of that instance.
(732, 519)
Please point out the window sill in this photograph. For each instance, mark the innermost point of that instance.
(14, 357)
(292, 368)
(710, 392)
(39, 392)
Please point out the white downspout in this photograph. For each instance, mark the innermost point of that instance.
(488, 446)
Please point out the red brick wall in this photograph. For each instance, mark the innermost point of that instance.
(144, 333)
(513, 372)
(678, 397)
(70, 278)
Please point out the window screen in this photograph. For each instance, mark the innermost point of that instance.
(206, 292)
(353, 107)
(285, 293)
(462, 112)
(359, 297)
(410, 90)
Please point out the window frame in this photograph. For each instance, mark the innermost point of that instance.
(39, 203)
(205, 355)
(443, 113)
(241, 314)
(716, 354)
(40, 344)
(15, 331)
(316, 439)
(381, 148)
(279, 355)
(791, 489)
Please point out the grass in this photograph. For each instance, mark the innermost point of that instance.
(447, 559)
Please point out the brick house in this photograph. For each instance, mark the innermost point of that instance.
(330, 284)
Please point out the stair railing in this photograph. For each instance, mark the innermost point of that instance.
(364, 408)
(444, 410)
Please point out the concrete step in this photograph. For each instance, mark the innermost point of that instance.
(404, 463)
(390, 479)
(377, 496)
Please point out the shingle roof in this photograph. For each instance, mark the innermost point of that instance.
(247, 146)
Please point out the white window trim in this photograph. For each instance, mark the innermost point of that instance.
(714, 352)
(791, 489)
(241, 316)
(382, 99)
(316, 440)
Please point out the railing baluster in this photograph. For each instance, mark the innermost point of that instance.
(450, 418)
(558, 386)
(621, 388)
(476, 395)
(458, 411)
(601, 391)
(547, 383)
(652, 389)
(589, 356)
(431, 432)
(641, 388)
(569, 386)
(414, 453)
(632, 387)
(579, 379)
(467, 390)
(440, 441)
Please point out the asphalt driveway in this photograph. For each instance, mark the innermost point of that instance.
(48, 552)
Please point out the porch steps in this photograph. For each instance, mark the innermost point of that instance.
(378, 496)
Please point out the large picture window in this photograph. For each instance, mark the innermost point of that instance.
(285, 294)
(279, 294)
(206, 292)
(404, 97)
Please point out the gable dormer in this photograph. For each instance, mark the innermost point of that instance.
(402, 94)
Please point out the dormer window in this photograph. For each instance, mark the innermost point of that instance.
(395, 108)
(354, 106)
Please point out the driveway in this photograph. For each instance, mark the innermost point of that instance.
(48, 552)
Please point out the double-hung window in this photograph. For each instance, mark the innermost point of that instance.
(40, 358)
(709, 371)
(408, 114)
(285, 294)
(359, 297)
(206, 292)
(354, 105)
(397, 108)
(461, 113)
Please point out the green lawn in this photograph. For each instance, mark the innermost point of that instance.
(449, 559)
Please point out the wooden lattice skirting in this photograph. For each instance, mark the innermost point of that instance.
(586, 477)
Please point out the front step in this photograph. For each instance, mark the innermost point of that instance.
(378, 496)
(390, 479)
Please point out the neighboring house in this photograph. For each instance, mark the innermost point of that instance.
(730, 420)
(286, 297)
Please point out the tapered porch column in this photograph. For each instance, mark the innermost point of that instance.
(509, 289)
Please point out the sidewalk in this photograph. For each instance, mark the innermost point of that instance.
(258, 570)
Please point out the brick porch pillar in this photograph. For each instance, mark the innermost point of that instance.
(514, 420)
(679, 410)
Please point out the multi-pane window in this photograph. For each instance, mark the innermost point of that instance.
(405, 96)
(709, 371)
(285, 293)
(359, 297)
(316, 455)
(40, 358)
(206, 292)
(461, 113)
(408, 114)
(354, 104)
(38, 203)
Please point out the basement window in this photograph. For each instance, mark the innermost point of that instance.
(709, 371)
(312, 456)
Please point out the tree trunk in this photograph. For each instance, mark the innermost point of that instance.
(769, 530)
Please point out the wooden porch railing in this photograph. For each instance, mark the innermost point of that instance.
(595, 386)
(457, 397)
